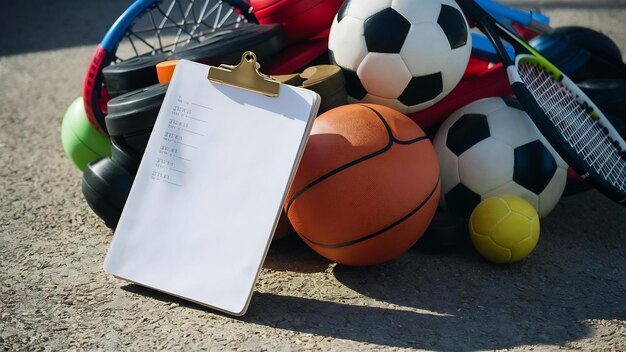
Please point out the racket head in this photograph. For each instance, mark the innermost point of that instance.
(224, 45)
(573, 124)
(147, 27)
(567, 118)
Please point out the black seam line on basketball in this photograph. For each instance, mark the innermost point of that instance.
(381, 231)
(389, 132)
(392, 139)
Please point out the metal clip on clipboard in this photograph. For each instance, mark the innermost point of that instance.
(245, 75)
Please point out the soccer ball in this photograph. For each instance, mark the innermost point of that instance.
(491, 147)
(404, 54)
(504, 228)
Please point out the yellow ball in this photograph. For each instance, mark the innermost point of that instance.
(504, 228)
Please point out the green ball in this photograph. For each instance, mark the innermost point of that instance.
(81, 142)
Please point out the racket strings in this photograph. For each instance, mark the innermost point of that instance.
(572, 118)
(168, 26)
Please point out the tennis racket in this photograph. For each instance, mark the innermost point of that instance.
(148, 27)
(568, 119)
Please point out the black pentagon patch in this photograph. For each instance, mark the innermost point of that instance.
(353, 85)
(331, 57)
(466, 132)
(512, 102)
(422, 89)
(453, 24)
(343, 10)
(386, 31)
(461, 200)
(534, 166)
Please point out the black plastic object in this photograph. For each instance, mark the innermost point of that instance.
(223, 46)
(595, 42)
(131, 116)
(573, 50)
(107, 182)
(446, 231)
(608, 94)
(124, 156)
(132, 74)
(106, 185)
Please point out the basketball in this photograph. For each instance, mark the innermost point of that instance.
(367, 185)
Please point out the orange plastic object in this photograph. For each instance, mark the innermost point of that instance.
(165, 70)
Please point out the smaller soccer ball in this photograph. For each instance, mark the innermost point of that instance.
(504, 229)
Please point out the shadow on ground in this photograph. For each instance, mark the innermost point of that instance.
(292, 254)
(456, 300)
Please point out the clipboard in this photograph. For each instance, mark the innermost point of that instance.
(209, 191)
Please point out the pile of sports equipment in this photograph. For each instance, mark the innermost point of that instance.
(518, 109)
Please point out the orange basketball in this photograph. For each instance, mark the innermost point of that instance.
(367, 186)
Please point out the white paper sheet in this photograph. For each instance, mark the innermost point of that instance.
(208, 193)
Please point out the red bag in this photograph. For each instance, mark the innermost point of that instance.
(301, 20)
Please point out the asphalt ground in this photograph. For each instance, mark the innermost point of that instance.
(569, 294)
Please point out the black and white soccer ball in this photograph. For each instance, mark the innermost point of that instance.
(405, 54)
(492, 147)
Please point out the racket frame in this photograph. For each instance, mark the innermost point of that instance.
(495, 32)
(94, 94)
